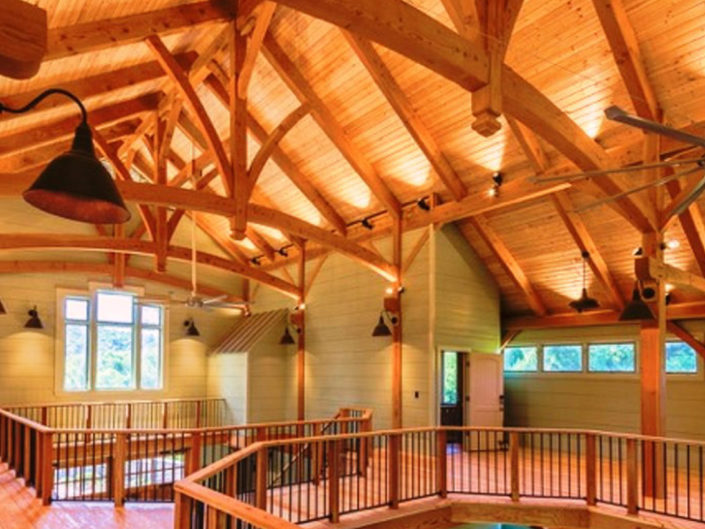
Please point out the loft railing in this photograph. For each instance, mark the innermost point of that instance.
(370, 470)
(166, 413)
(131, 464)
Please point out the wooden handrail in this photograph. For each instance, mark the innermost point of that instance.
(104, 403)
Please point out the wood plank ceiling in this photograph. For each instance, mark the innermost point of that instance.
(348, 129)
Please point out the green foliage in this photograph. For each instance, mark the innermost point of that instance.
(450, 378)
(76, 364)
(151, 359)
(114, 362)
(521, 359)
(612, 357)
(563, 358)
(680, 358)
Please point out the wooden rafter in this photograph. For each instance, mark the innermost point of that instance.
(693, 225)
(264, 14)
(260, 243)
(530, 145)
(101, 34)
(298, 84)
(239, 187)
(10, 241)
(676, 328)
(585, 243)
(463, 14)
(508, 262)
(192, 101)
(401, 105)
(625, 49)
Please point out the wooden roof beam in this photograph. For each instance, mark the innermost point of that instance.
(263, 17)
(397, 99)
(693, 226)
(625, 49)
(586, 244)
(238, 188)
(298, 84)
(530, 145)
(676, 328)
(191, 100)
(508, 262)
(465, 18)
(106, 33)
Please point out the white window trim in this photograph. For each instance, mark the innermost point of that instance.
(60, 357)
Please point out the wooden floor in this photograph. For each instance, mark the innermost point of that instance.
(19, 509)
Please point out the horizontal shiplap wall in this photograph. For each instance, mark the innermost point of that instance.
(27, 357)
(272, 379)
(600, 401)
(227, 378)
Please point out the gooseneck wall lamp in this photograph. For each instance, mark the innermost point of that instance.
(75, 185)
(382, 329)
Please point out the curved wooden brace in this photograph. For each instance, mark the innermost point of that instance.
(41, 241)
(410, 32)
(266, 149)
(67, 267)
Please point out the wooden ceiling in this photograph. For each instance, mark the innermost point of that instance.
(331, 126)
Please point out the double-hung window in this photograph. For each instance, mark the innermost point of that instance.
(112, 342)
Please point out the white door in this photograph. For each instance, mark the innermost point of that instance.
(485, 389)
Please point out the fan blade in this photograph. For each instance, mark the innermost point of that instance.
(602, 172)
(228, 305)
(659, 182)
(615, 113)
(216, 299)
(690, 195)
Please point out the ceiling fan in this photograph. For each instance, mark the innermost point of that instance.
(691, 165)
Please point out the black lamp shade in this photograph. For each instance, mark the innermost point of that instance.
(76, 186)
(287, 339)
(191, 329)
(2, 308)
(636, 309)
(381, 329)
(33, 322)
(584, 303)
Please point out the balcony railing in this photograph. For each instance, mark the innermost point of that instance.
(342, 474)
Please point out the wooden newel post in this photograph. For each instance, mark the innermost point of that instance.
(119, 459)
(590, 469)
(514, 464)
(442, 462)
(194, 454)
(334, 480)
(394, 468)
(261, 478)
(632, 477)
(47, 473)
(182, 511)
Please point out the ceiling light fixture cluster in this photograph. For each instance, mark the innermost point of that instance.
(497, 181)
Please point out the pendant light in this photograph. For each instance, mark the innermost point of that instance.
(287, 338)
(191, 329)
(636, 309)
(75, 185)
(584, 302)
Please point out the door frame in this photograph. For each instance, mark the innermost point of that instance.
(436, 373)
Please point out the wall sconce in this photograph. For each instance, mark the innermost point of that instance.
(33, 322)
(75, 185)
(389, 312)
(2, 308)
(295, 323)
(191, 329)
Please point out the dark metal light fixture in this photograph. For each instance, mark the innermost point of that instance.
(75, 185)
(636, 309)
(283, 251)
(381, 329)
(191, 329)
(2, 308)
(33, 322)
(366, 223)
(423, 204)
(584, 302)
(256, 261)
(287, 338)
(497, 181)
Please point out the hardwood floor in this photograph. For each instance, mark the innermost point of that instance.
(19, 509)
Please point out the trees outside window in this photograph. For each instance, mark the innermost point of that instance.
(521, 359)
(681, 358)
(563, 358)
(612, 358)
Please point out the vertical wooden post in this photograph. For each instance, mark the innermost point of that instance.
(193, 462)
(198, 414)
(3, 437)
(47, 467)
(394, 457)
(27, 455)
(165, 415)
(301, 341)
(514, 464)
(182, 511)
(318, 455)
(590, 469)
(38, 450)
(119, 459)
(397, 336)
(89, 421)
(334, 480)
(44, 416)
(632, 477)
(442, 462)
(128, 417)
(261, 478)
(211, 517)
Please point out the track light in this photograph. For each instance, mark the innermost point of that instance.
(638, 252)
(191, 329)
(636, 309)
(283, 251)
(75, 185)
(256, 261)
(497, 181)
(423, 204)
(381, 329)
(366, 223)
(33, 322)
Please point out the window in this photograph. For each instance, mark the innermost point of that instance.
(112, 343)
(562, 358)
(612, 358)
(521, 359)
(680, 358)
(450, 378)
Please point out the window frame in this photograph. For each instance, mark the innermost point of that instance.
(583, 360)
(637, 359)
(699, 367)
(539, 359)
(60, 341)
